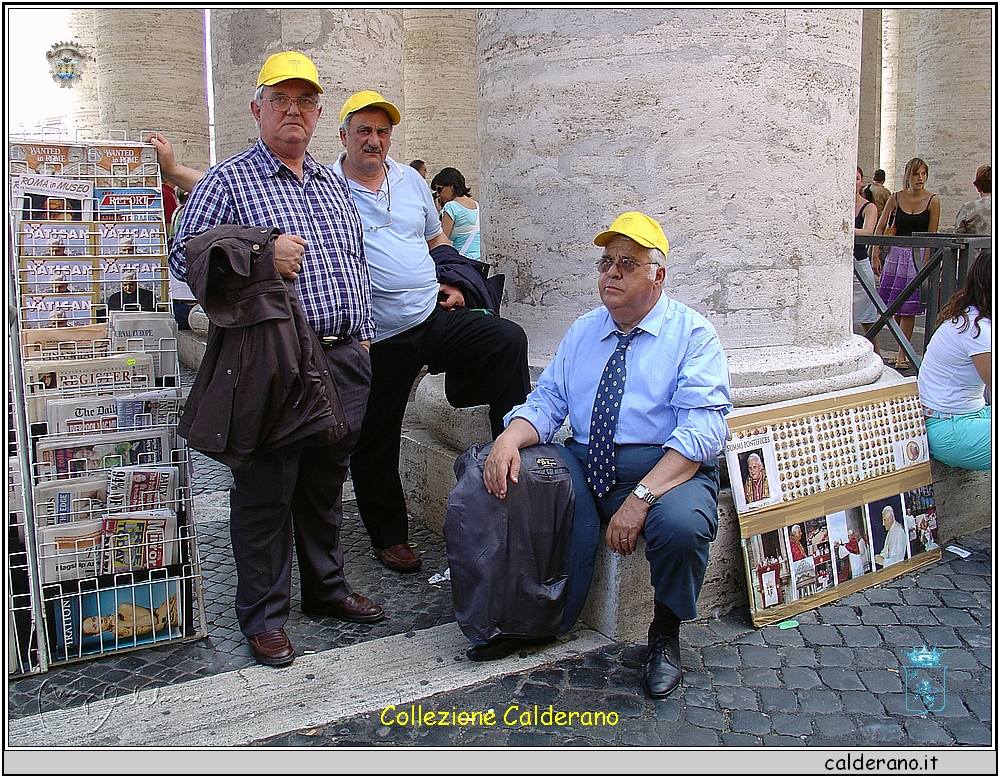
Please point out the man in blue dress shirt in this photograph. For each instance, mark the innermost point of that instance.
(660, 477)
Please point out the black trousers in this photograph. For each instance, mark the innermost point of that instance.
(296, 488)
(485, 359)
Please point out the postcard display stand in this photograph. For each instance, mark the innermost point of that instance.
(833, 495)
(107, 519)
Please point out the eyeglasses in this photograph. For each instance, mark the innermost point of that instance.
(388, 204)
(282, 103)
(625, 266)
(437, 189)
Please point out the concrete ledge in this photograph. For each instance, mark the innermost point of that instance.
(964, 500)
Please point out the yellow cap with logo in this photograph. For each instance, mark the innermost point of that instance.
(644, 230)
(368, 99)
(286, 66)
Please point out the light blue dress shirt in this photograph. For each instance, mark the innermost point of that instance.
(403, 276)
(676, 387)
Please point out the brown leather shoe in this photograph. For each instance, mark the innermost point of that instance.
(399, 558)
(272, 648)
(356, 608)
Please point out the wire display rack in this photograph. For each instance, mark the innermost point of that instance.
(103, 539)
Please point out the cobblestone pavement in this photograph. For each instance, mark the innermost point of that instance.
(832, 681)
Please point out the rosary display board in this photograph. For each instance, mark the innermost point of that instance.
(834, 494)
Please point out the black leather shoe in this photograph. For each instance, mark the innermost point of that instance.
(356, 608)
(272, 648)
(500, 647)
(661, 672)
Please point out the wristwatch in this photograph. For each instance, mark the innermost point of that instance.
(644, 494)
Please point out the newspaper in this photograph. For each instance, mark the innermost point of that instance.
(65, 456)
(149, 409)
(70, 551)
(48, 378)
(81, 414)
(139, 540)
(70, 499)
(153, 333)
(142, 487)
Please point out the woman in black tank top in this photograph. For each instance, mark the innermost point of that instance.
(912, 209)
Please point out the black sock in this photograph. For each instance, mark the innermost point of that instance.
(664, 621)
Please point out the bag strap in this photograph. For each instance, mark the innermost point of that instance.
(471, 235)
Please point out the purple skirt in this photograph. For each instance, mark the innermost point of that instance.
(897, 272)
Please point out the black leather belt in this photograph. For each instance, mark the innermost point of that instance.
(334, 340)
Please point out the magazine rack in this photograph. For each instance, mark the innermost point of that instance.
(109, 548)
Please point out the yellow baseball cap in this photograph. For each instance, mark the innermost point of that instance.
(643, 229)
(367, 99)
(286, 66)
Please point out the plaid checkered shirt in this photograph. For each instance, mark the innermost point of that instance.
(255, 189)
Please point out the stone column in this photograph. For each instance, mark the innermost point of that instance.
(149, 74)
(353, 49)
(86, 113)
(440, 88)
(870, 109)
(736, 129)
(954, 105)
(899, 85)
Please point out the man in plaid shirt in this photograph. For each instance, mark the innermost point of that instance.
(276, 183)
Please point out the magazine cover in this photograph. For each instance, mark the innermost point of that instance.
(55, 239)
(126, 615)
(65, 456)
(133, 284)
(124, 164)
(751, 454)
(130, 238)
(66, 309)
(81, 414)
(70, 551)
(45, 158)
(142, 487)
(128, 203)
(57, 275)
(51, 198)
(139, 540)
(70, 499)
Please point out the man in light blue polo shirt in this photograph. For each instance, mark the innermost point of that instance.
(419, 322)
(645, 384)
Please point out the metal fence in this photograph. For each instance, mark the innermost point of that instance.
(942, 262)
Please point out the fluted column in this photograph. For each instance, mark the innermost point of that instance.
(353, 50)
(870, 109)
(85, 111)
(148, 73)
(954, 102)
(736, 129)
(440, 87)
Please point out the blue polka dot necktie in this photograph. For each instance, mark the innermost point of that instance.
(601, 448)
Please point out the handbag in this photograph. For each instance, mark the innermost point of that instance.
(890, 226)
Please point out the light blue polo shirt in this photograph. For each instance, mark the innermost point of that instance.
(404, 281)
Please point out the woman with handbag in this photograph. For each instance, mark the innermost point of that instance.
(912, 209)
